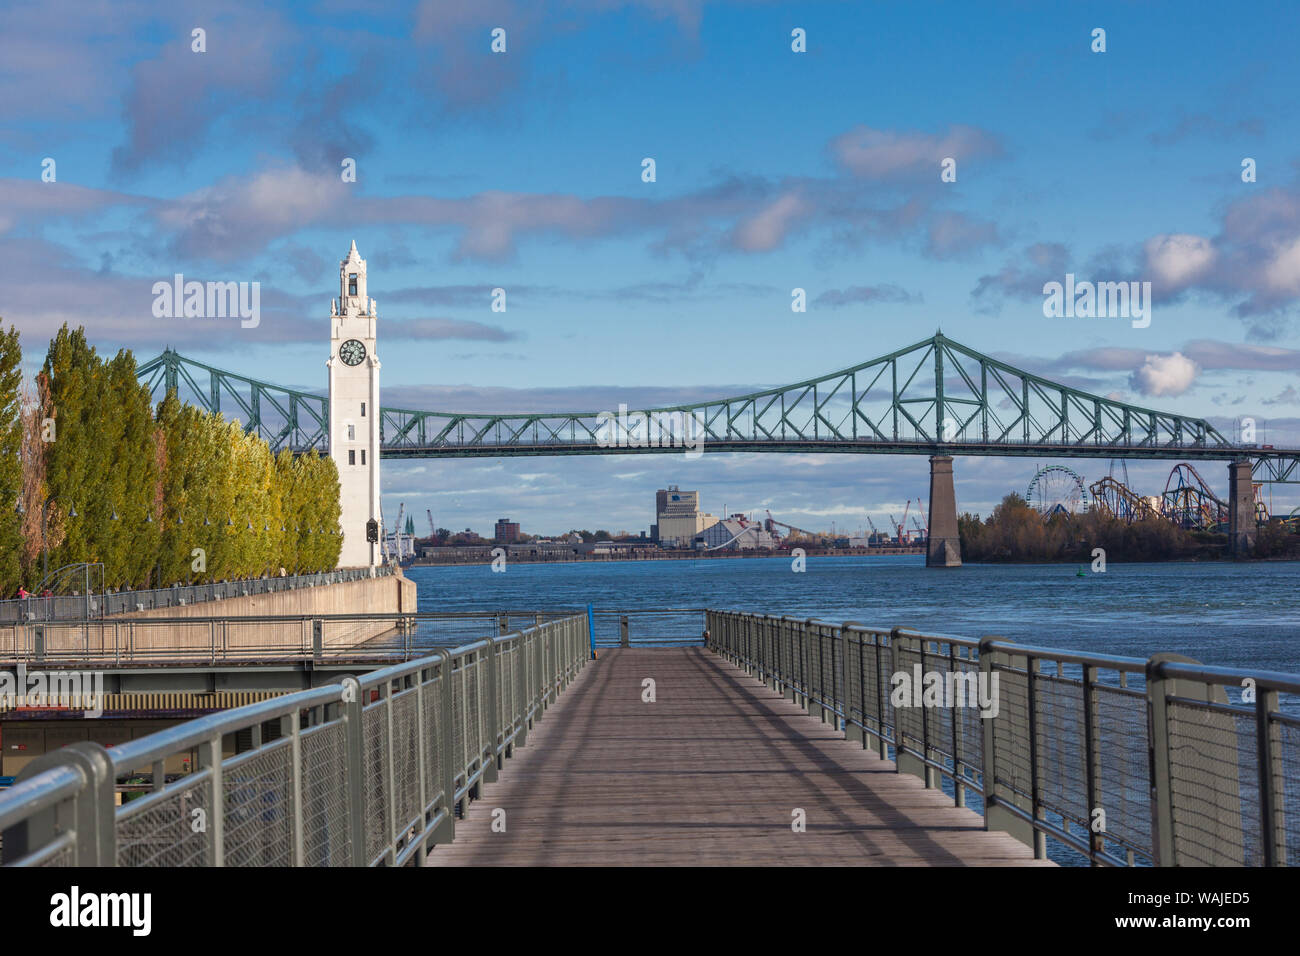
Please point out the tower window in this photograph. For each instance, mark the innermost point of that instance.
(352, 456)
(363, 409)
(352, 433)
(363, 456)
(352, 283)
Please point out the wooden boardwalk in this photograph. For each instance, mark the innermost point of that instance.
(707, 775)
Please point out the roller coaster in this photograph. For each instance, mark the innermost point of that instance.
(1187, 501)
(1113, 497)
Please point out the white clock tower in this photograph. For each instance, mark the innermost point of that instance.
(354, 410)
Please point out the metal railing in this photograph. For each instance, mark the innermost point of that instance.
(648, 627)
(1123, 760)
(217, 640)
(370, 771)
(66, 607)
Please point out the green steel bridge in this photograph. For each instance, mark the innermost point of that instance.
(936, 397)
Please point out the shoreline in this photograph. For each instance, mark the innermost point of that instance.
(672, 556)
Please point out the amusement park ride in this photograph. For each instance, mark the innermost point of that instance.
(1187, 501)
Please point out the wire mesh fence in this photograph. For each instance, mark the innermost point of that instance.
(1121, 760)
(369, 771)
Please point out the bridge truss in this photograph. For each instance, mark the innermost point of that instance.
(283, 417)
(934, 397)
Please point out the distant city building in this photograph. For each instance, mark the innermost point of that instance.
(678, 517)
(506, 530)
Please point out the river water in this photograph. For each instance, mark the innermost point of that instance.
(1237, 615)
(1244, 615)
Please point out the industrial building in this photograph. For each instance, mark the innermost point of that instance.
(736, 533)
(678, 518)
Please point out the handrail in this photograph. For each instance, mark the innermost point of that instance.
(366, 771)
(296, 637)
(68, 607)
(1121, 759)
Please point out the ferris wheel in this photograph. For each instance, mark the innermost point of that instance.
(1057, 489)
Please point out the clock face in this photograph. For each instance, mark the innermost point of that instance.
(352, 352)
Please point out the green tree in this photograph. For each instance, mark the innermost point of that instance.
(75, 460)
(11, 465)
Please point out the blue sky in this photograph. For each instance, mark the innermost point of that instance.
(775, 170)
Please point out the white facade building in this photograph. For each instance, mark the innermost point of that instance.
(354, 410)
(736, 533)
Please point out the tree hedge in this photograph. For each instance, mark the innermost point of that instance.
(160, 496)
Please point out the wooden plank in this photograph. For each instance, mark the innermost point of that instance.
(709, 774)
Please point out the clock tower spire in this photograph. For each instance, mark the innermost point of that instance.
(354, 410)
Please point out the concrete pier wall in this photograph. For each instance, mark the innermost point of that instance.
(133, 635)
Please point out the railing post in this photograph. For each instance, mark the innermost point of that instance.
(1271, 793)
(423, 739)
(851, 730)
(928, 773)
(209, 758)
(492, 725)
(1096, 840)
(1162, 809)
(958, 765)
(317, 639)
(89, 813)
(351, 710)
(445, 831)
(519, 673)
(882, 745)
(291, 725)
(835, 637)
(905, 761)
(1040, 838)
(623, 640)
(996, 816)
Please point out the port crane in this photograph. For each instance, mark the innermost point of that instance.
(433, 532)
(901, 526)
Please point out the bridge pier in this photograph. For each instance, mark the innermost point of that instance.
(943, 549)
(1241, 509)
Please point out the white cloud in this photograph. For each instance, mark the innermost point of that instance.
(1283, 270)
(1165, 375)
(887, 154)
(1178, 259)
(767, 229)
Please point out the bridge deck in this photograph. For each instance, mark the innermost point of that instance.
(706, 775)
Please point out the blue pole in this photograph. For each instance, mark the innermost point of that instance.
(591, 631)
